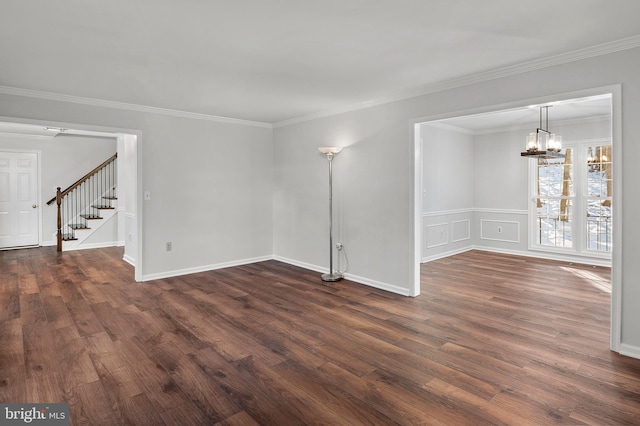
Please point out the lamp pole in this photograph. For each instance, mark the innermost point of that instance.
(331, 276)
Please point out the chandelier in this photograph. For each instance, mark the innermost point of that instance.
(543, 143)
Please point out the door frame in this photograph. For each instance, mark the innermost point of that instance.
(615, 90)
(114, 131)
(38, 190)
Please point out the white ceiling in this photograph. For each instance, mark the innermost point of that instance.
(271, 61)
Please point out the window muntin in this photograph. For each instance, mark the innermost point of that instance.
(555, 198)
(598, 198)
(572, 201)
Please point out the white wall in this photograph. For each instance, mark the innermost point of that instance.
(63, 160)
(376, 173)
(372, 194)
(447, 191)
(447, 169)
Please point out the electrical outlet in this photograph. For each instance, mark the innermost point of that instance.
(169, 246)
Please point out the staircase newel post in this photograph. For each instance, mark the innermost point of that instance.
(59, 202)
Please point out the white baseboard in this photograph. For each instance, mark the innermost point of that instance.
(548, 256)
(379, 284)
(205, 268)
(445, 254)
(355, 278)
(93, 246)
(130, 260)
(299, 264)
(629, 350)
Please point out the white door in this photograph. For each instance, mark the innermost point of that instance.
(18, 199)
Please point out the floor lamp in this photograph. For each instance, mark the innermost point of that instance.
(330, 152)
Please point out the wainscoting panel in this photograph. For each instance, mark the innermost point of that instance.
(460, 230)
(437, 235)
(446, 233)
(500, 230)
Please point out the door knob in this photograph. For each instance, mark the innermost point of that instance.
(34, 206)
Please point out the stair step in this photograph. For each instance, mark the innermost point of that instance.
(78, 226)
(103, 207)
(91, 216)
(110, 198)
(68, 237)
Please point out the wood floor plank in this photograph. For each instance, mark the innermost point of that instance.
(493, 339)
(138, 410)
(257, 402)
(13, 383)
(40, 352)
(45, 388)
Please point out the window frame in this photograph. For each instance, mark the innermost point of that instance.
(578, 206)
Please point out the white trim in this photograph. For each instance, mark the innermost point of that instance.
(616, 254)
(379, 285)
(38, 94)
(474, 210)
(579, 229)
(446, 254)
(447, 212)
(629, 350)
(355, 278)
(468, 230)
(580, 54)
(451, 128)
(26, 136)
(130, 260)
(556, 123)
(96, 245)
(204, 268)
(563, 58)
(501, 211)
(544, 255)
(416, 222)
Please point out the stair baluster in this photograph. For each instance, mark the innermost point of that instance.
(83, 200)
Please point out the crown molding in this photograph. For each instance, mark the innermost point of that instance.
(580, 54)
(26, 136)
(556, 123)
(537, 64)
(38, 94)
(450, 127)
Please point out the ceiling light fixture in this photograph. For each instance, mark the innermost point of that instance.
(55, 129)
(543, 143)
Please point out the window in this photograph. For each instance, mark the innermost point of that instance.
(571, 207)
(598, 200)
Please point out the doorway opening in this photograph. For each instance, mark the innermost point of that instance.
(474, 191)
(81, 147)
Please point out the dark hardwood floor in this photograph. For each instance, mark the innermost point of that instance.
(493, 339)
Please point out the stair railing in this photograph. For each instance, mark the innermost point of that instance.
(83, 200)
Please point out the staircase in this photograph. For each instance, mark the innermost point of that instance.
(86, 205)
